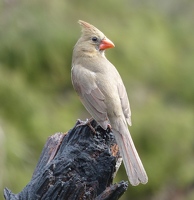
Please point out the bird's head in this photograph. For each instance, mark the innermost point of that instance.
(93, 39)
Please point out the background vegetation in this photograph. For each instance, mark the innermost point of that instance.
(154, 54)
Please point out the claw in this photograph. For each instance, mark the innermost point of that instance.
(109, 126)
(86, 123)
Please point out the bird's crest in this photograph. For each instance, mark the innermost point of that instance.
(89, 28)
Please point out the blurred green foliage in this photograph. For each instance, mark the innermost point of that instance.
(154, 54)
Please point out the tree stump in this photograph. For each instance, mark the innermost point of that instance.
(77, 165)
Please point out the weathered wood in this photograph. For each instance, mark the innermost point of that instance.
(77, 165)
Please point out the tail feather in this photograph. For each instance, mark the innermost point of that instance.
(133, 165)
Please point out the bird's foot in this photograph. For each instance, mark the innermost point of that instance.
(109, 127)
(86, 123)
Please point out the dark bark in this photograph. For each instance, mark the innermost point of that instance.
(77, 165)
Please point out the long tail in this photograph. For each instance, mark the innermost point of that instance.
(133, 165)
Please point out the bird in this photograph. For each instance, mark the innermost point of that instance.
(103, 94)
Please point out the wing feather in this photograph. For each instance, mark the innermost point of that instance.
(93, 100)
(124, 102)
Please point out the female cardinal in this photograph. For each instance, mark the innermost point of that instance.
(103, 94)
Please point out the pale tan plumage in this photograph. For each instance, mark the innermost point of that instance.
(103, 94)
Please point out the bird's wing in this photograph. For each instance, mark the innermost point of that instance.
(92, 98)
(124, 102)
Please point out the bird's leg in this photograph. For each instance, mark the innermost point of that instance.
(86, 123)
(109, 126)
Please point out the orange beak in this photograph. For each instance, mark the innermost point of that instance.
(106, 44)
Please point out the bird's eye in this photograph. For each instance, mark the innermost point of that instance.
(94, 39)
